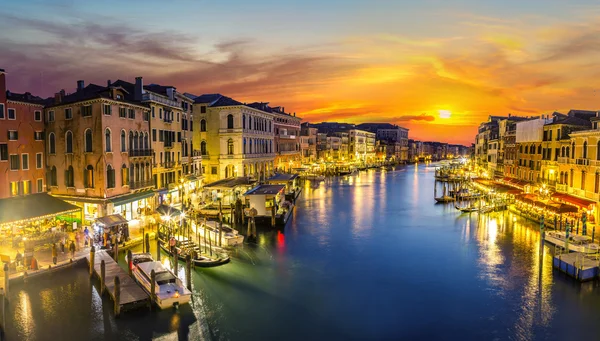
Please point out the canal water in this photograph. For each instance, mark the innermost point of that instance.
(365, 257)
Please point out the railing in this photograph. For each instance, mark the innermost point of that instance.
(563, 160)
(595, 163)
(140, 152)
(141, 184)
(561, 188)
(168, 164)
(583, 162)
(577, 191)
(148, 96)
(286, 136)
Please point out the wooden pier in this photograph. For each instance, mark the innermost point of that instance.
(580, 266)
(129, 295)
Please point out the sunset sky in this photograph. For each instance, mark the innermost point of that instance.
(436, 67)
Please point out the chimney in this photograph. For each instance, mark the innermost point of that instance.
(62, 92)
(108, 82)
(171, 93)
(139, 89)
(2, 85)
(57, 98)
(80, 85)
(283, 109)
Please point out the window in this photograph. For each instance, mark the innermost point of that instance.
(161, 136)
(14, 188)
(53, 181)
(123, 112)
(69, 142)
(107, 140)
(1, 111)
(26, 187)
(243, 121)
(203, 147)
(25, 161)
(230, 147)
(40, 185)
(152, 109)
(213, 170)
(110, 177)
(202, 125)
(160, 113)
(51, 116)
(203, 111)
(37, 116)
(153, 135)
(88, 177)
(585, 149)
(39, 160)
(69, 113)
(107, 109)
(51, 144)
(123, 141)
(124, 175)
(3, 152)
(177, 117)
(119, 96)
(69, 177)
(146, 118)
(13, 135)
(86, 111)
(88, 140)
(38, 135)
(230, 121)
(131, 113)
(12, 114)
(14, 162)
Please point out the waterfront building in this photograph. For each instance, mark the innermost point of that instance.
(509, 150)
(234, 139)
(97, 145)
(286, 136)
(528, 138)
(308, 143)
(392, 134)
(22, 161)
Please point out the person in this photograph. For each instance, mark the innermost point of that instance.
(54, 254)
(19, 258)
(62, 246)
(72, 249)
(34, 264)
(86, 236)
(172, 243)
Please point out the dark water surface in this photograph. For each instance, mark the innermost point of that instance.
(366, 257)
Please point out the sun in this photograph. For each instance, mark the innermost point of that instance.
(444, 113)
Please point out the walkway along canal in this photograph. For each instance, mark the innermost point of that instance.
(364, 257)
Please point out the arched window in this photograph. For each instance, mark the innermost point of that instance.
(110, 177)
(131, 140)
(249, 122)
(87, 136)
(124, 175)
(88, 177)
(539, 149)
(51, 145)
(269, 126)
(244, 145)
(135, 141)
(53, 180)
(202, 125)
(244, 121)
(567, 152)
(520, 149)
(146, 141)
(270, 146)
(141, 141)
(562, 151)
(203, 147)
(250, 151)
(69, 142)
(230, 147)
(584, 152)
(69, 177)
(230, 121)
(107, 140)
(123, 141)
(573, 151)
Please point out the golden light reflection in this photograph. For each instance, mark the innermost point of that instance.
(22, 315)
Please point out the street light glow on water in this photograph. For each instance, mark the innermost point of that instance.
(365, 257)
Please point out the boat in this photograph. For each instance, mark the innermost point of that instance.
(185, 247)
(466, 209)
(445, 198)
(315, 177)
(170, 291)
(577, 243)
(229, 236)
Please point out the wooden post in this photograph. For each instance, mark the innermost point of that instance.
(220, 221)
(129, 262)
(205, 228)
(175, 260)
(273, 213)
(231, 220)
(152, 286)
(92, 259)
(117, 296)
(147, 242)
(157, 247)
(188, 271)
(102, 277)
(116, 255)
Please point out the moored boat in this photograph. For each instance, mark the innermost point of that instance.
(583, 244)
(445, 198)
(186, 247)
(170, 291)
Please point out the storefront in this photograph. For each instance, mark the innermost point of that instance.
(133, 206)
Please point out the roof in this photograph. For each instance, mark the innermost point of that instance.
(282, 177)
(207, 98)
(573, 200)
(111, 220)
(123, 199)
(32, 206)
(265, 190)
(26, 97)
(229, 183)
(93, 91)
(572, 120)
(158, 89)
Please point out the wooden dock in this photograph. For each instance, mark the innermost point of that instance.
(580, 266)
(131, 294)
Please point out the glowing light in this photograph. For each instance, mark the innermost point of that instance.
(444, 113)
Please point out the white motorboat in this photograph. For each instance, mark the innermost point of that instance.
(583, 244)
(170, 291)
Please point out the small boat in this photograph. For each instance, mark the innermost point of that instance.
(577, 243)
(315, 177)
(445, 198)
(170, 291)
(185, 247)
(466, 209)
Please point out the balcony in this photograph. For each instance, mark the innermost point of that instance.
(583, 162)
(168, 164)
(561, 188)
(141, 184)
(595, 163)
(563, 160)
(149, 96)
(286, 136)
(140, 152)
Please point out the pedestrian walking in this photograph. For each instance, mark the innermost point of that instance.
(72, 249)
(62, 246)
(54, 253)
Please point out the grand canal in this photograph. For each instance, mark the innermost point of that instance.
(365, 257)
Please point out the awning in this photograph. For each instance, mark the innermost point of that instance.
(229, 183)
(39, 205)
(125, 199)
(282, 178)
(111, 220)
(266, 190)
(563, 208)
(168, 211)
(573, 200)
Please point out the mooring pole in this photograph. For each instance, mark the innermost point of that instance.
(117, 296)
(102, 276)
